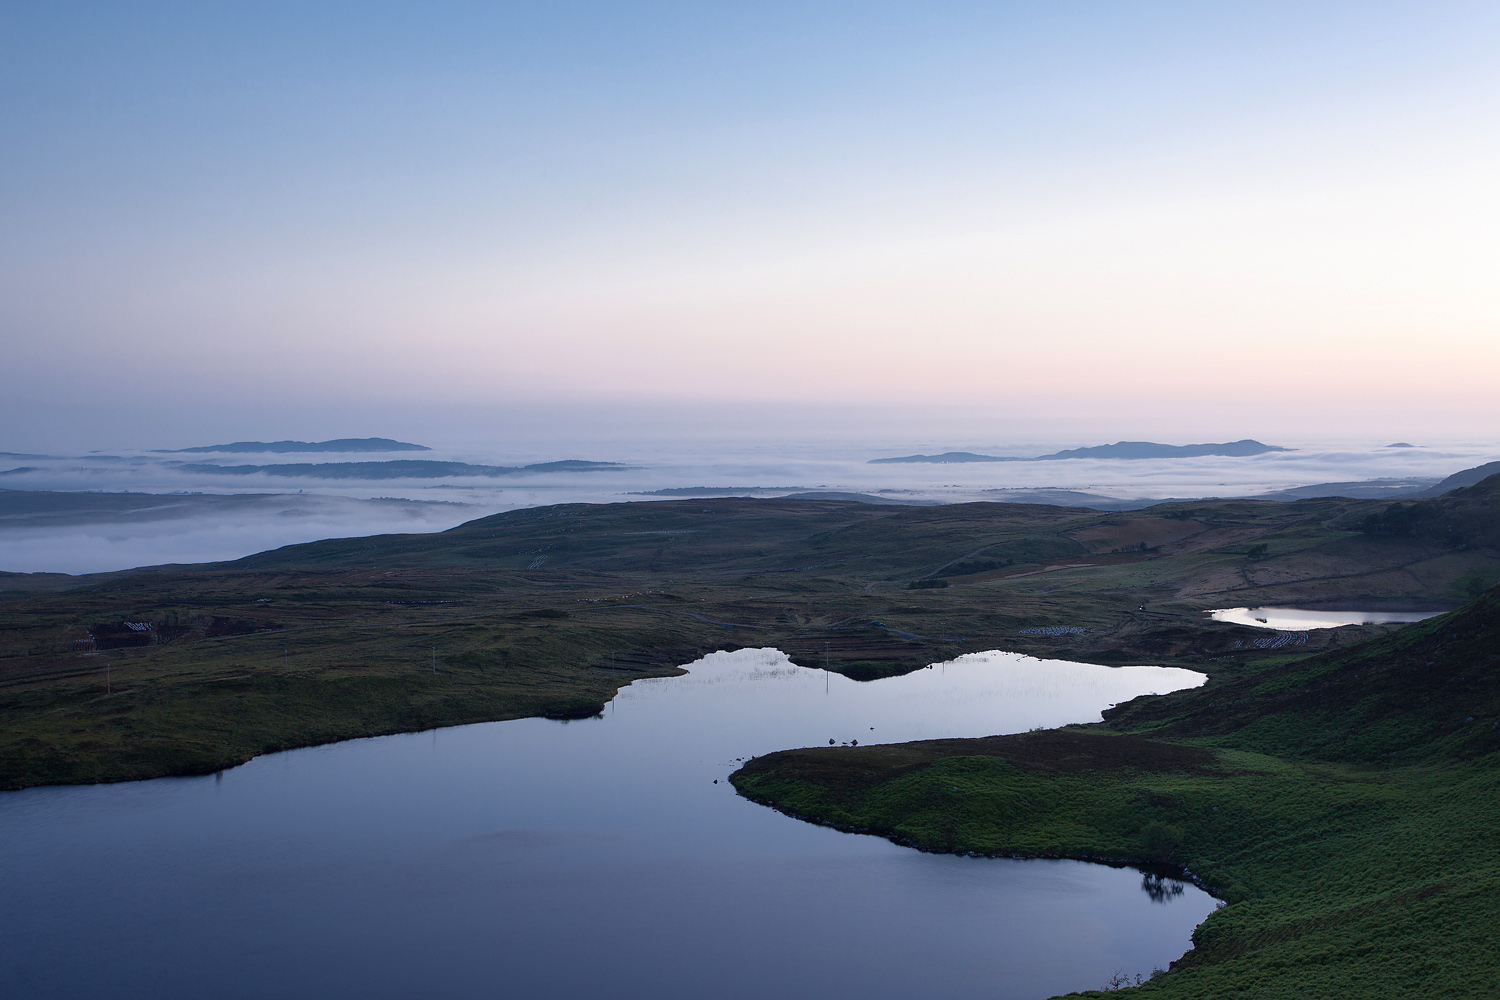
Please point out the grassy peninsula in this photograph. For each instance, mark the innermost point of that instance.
(547, 611)
(1343, 804)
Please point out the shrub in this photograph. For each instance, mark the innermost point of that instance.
(1397, 520)
(1160, 839)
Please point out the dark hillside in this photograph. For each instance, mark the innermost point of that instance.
(1463, 518)
(1430, 690)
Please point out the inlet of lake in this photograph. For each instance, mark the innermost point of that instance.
(595, 858)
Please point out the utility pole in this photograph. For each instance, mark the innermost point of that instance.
(434, 661)
(108, 684)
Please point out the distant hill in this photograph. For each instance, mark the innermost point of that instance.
(1120, 449)
(715, 491)
(1150, 449)
(49, 509)
(858, 498)
(398, 469)
(288, 447)
(1364, 490)
(947, 456)
(1468, 477)
(1073, 498)
(1378, 489)
(778, 493)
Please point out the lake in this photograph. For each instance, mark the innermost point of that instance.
(591, 858)
(1298, 619)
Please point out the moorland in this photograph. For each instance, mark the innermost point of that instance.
(1342, 804)
(547, 611)
(1335, 788)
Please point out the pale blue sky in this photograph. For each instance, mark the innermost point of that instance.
(430, 203)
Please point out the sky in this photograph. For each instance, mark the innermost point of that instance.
(1070, 221)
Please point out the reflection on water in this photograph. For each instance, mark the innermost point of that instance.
(1161, 888)
(1298, 619)
(606, 856)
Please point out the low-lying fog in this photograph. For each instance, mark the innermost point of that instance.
(172, 524)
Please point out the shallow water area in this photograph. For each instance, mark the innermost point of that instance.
(536, 858)
(1299, 619)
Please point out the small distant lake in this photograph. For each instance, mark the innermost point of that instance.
(1299, 619)
(595, 858)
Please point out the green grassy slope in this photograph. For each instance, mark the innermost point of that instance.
(1343, 804)
(550, 609)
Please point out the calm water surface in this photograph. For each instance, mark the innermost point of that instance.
(586, 859)
(1297, 619)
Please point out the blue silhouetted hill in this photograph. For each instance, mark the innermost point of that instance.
(289, 447)
(1120, 449)
(1150, 449)
(947, 456)
(396, 469)
(1468, 477)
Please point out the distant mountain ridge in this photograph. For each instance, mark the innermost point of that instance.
(715, 491)
(1150, 449)
(1366, 489)
(1468, 477)
(396, 469)
(948, 456)
(1120, 449)
(290, 447)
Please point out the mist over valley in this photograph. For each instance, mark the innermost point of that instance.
(183, 511)
(970, 501)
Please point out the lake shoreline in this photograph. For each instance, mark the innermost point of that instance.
(519, 835)
(1289, 823)
(1178, 872)
(190, 669)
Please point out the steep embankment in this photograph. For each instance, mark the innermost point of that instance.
(1342, 804)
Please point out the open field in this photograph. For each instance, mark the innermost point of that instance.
(547, 611)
